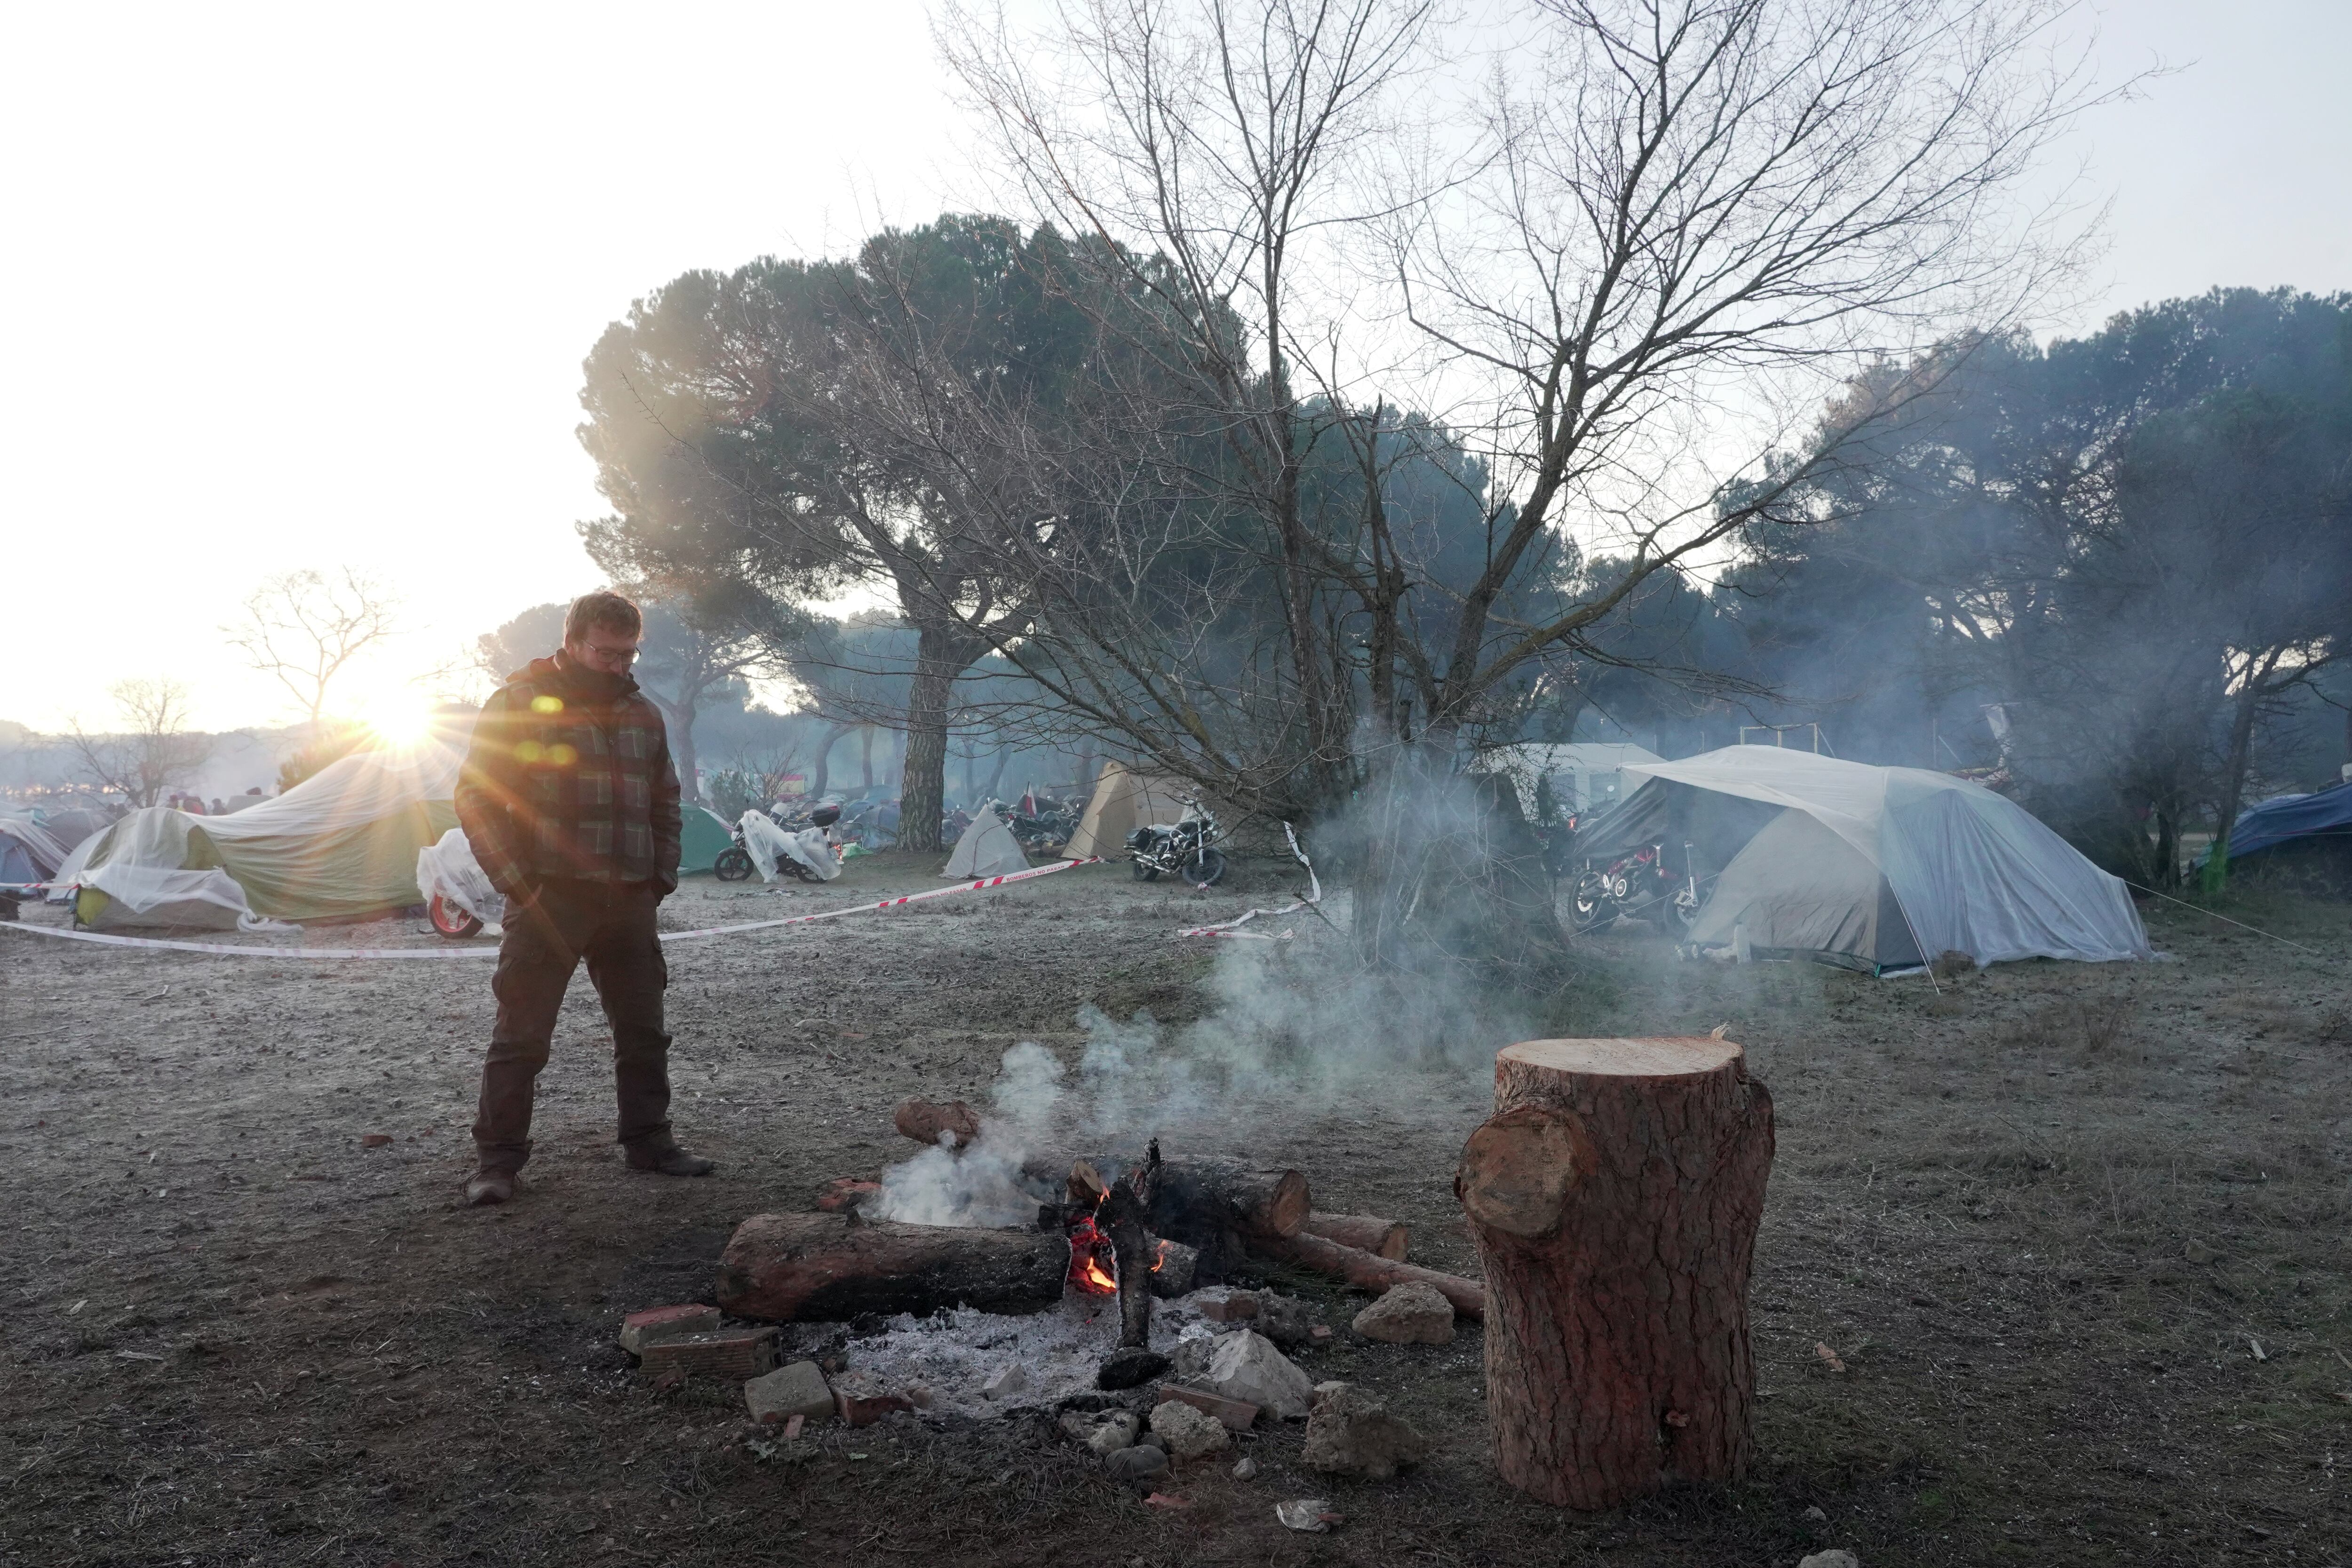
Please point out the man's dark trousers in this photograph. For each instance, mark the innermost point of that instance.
(611, 925)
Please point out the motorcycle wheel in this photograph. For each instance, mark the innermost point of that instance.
(450, 919)
(1685, 909)
(732, 866)
(1205, 868)
(1593, 910)
(1143, 873)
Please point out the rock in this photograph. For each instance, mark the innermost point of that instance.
(1235, 1415)
(1817, 1514)
(2197, 1252)
(1285, 1320)
(1409, 1314)
(1246, 1469)
(799, 1389)
(639, 1329)
(1138, 1463)
(1007, 1382)
(1106, 1432)
(1188, 1433)
(1312, 1514)
(1130, 1368)
(1835, 1558)
(1248, 1368)
(1351, 1433)
(1192, 1357)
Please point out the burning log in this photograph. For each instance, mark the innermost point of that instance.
(1199, 1202)
(783, 1266)
(924, 1121)
(1121, 1216)
(1381, 1237)
(1615, 1172)
(1370, 1272)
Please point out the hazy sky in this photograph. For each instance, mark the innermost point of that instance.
(309, 286)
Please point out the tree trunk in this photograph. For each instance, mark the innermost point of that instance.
(787, 1266)
(865, 755)
(996, 774)
(824, 778)
(680, 718)
(922, 795)
(2234, 778)
(1614, 1197)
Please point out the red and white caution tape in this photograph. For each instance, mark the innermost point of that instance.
(1313, 897)
(490, 951)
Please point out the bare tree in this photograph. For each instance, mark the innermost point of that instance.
(154, 751)
(304, 629)
(1663, 223)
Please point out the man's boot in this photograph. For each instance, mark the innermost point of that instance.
(490, 1186)
(669, 1159)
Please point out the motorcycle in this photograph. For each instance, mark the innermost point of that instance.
(1634, 885)
(1180, 848)
(736, 863)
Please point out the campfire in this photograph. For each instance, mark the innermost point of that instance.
(1124, 1229)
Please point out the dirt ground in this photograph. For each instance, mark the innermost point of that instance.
(2077, 1234)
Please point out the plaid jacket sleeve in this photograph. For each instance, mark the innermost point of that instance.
(487, 791)
(669, 819)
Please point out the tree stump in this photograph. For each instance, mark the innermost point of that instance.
(1614, 1197)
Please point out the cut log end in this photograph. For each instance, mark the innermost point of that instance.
(1658, 1056)
(1517, 1170)
(1366, 1233)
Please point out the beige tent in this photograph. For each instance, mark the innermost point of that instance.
(1125, 799)
(987, 848)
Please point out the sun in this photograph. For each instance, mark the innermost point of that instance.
(400, 719)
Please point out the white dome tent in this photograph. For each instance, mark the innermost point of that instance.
(1883, 869)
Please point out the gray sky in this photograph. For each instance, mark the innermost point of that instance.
(310, 286)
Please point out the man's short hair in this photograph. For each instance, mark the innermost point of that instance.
(602, 608)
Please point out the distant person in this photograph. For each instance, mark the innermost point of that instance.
(570, 802)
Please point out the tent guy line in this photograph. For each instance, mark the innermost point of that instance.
(489, 952)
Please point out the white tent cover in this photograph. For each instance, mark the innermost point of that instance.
(449, 870)
(985, 849)
(1971, 871)
(1587, 766)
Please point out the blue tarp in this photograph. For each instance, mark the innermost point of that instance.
(2289, 816)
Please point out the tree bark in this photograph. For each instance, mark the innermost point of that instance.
(1366, 1233)
(1369, 1271)
(922, 794)
(833, 1267)
(2234, 778)
(1614, 1197)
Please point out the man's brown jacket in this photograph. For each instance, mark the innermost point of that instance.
(570, 775)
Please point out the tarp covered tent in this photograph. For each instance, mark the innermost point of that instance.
(1125, 799)
(1878, 867)
(340, 844)
(28, 851)
(1586, 775)
(704, 837)
(2284, 818)
(986, 848)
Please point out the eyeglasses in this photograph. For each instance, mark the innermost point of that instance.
(625, 655)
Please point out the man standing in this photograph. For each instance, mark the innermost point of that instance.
(570, 803)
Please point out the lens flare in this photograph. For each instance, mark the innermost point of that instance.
(401, 719)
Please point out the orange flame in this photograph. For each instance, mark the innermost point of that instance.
(1088, 1247)
(1159, 1256)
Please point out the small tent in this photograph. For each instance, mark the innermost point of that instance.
(340, 844)
(702, 840)
(985, 849)
(1125, 799)
(1879, 869)
(28, 851)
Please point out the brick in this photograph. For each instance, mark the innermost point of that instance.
(1236, 1414)
(737, 1353)
(639, 1329)
(861, 1399)
(1225, 1305)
